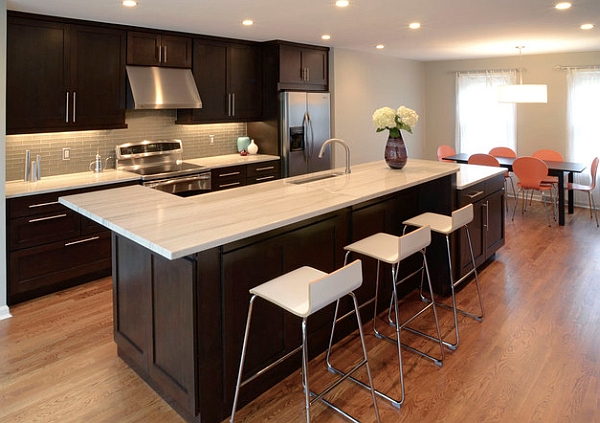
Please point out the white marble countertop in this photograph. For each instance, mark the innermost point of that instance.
(470, 174)
(68, 181)
(112, 176)
(175, 227)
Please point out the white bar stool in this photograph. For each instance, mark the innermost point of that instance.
(392, 250)
(303, 292)
(446, 225)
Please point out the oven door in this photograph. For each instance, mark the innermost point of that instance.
(183, 186)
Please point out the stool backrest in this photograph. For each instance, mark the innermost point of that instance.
(414, 241)
(503, 152)
(483, 159)
(462, 216)
(326, 290)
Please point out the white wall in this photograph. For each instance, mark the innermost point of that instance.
(3, 307)
(538, 125)
(364, 82)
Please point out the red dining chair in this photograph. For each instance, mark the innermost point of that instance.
(503, 152)
(588, 188)
(490, 160)
(445, 151)
(531, 172)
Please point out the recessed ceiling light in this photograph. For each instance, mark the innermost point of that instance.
(326, 37)
(342, 3)
(563, 6)
(129, 3)
(247, 22)
(379, 46)
(587, 26)
(414, 25)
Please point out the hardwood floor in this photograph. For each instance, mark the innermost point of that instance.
(534, 358)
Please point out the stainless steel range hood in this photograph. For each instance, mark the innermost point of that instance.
(152, 87)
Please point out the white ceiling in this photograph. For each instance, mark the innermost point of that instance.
(451, 29)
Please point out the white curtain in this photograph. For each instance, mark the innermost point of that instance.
(583, 126)
(482, 122)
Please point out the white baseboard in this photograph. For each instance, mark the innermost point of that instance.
(4, 313)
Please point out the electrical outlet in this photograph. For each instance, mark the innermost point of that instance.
(66, 153)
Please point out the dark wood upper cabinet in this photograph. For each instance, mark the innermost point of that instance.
(304, 66)
(64, 77)
(228, 76)
(155, 49)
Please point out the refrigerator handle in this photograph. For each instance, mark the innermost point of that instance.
(305, 125)
(311, 133)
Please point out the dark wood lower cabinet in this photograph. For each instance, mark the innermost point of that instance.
(180, 323)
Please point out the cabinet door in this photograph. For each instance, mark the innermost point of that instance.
(36, 76)
(176, 51)
(290, 65)
(495, 223)
(97, 77)
(142, 48)
(210, 73)
(315, 63)
(245, 82)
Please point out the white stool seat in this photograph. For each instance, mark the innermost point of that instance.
(443, 224)
(389, 248)
(291, 291)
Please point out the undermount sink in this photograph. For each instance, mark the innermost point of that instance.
(314, 178)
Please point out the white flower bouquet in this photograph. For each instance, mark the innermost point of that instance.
(395, 120)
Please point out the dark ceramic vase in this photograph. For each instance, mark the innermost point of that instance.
(395, 152)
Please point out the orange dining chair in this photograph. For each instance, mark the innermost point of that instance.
(503, 152)
(588, 188)
(490, 160)
(445, 151)
(550, 155)
(531, 172)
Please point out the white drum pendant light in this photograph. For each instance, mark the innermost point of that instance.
(523, 93)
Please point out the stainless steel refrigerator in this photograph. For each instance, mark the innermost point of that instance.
(304, 127)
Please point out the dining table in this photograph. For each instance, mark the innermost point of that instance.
(557, 169)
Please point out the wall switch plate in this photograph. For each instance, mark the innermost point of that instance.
(66, 153)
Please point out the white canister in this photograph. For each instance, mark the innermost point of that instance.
(252, 147)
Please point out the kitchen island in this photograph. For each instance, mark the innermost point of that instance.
(182, 268)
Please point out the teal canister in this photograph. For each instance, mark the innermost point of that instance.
(242, 143)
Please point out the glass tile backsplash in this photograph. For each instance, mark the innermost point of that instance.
(142, 124)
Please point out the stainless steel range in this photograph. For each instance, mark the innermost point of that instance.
(161, 167)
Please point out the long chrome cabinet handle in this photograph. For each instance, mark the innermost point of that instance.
(67, 109)
(33, 206)
(233, 184)
(81, 241)
(159, 48)
(74, 105)
(261, 169)
(222, 175)
(40, 219)
(265, 178)
(165, 55)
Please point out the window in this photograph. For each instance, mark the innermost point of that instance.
(482, 122)
(583, 104)
(583, 128)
